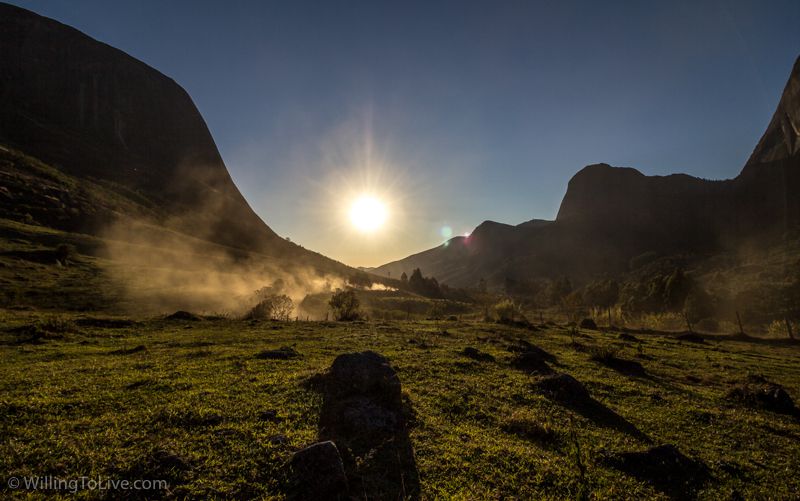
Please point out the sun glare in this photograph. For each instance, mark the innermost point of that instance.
(367, 213)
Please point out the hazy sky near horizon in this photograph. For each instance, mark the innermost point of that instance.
(454, 112)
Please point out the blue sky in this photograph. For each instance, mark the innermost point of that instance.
(454, 112)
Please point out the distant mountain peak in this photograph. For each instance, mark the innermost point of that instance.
(782, 138)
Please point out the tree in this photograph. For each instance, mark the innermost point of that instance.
(404, 278)
(428, 287)
(344, 305)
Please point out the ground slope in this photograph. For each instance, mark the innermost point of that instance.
(194, 403)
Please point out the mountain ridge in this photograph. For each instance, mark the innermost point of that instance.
(616, 213)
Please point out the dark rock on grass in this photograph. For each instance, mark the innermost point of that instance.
(476, 354)
(691, 337)
(629, 337)
(282, 353)
(588, 323)
(531, 361)
(317, 472)
(758, 392)
(520, 345)
(564, 388)
(609, 358)
(665, 468)
(129, 351)
(571, 393)
(184, 315)
(270, 416)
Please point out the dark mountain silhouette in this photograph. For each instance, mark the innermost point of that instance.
(99, 115)
(611, 214)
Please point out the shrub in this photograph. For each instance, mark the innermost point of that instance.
(273, 307)
(345, 305)
(507, 312)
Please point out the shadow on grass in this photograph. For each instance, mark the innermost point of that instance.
(570, 393)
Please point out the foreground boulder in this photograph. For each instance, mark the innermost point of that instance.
(318, 472)
(364, 414)
(665, 468)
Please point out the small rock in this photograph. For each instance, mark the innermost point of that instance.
(564, 388)
(588, 323)
(183, 315)
(533, 362)
(691, 337)
(269, 415)
(318, 472)
(476, 354)
(282, 353)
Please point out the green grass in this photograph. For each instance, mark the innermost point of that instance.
(115, 402)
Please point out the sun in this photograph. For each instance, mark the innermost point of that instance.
(367, 213)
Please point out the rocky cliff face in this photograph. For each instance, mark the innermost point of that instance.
(610, 214)
(96, 112)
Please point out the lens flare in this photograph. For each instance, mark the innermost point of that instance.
(367, 213)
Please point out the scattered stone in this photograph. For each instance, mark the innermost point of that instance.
(610, 359)
(279, 439)
(533, 362)
(282, 353)
(564, 388)
(629, 337)
(691, 337)
(183, 315)
(476, 354)
(523, 346)
(317, 472)
(588, 323)
(269, 415)
(758, 392)
(664, 467)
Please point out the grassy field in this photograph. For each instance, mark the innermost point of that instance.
(191, 402)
